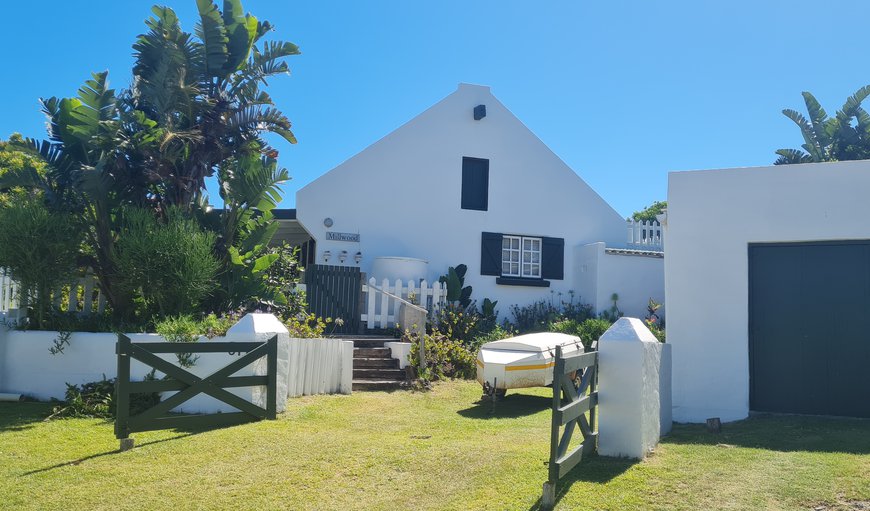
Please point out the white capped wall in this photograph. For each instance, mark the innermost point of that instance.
(635, 278)
(712, 217)
(402, 196)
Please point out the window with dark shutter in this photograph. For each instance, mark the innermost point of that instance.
(475, 184)
(514, 259)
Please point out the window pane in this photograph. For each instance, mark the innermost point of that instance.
(527, 270)
(515, 243)
(536, 270)
(515, 269)
(505, 267)
(536, 244)
(505, 242)
(527, 243)
(527, 257)
(536, 257)
(505, 255)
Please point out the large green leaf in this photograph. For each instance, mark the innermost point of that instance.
(212, 31)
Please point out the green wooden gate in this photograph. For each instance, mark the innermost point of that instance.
(189, 385)
(334, 292)
(575, 393)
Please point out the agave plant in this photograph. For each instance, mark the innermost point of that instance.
(846, 136)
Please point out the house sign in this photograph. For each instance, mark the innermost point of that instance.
(342, 236)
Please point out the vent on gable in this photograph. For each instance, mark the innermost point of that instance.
(479, 112)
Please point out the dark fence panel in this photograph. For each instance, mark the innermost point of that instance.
(334, 292)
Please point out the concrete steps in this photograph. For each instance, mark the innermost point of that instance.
(373, 367)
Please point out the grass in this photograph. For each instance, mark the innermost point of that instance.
(435, 450)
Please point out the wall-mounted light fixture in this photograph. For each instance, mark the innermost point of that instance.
(326, 255)
(357, 257)
(342, 256)
(327, 222)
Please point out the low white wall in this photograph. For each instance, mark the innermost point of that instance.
(401, 351)
(712, 218)
(305, 366)
(635, 278)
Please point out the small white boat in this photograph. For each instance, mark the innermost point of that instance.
(522, 361)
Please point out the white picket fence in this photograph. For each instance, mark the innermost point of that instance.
(8, 292)
(381, 309)
(646, 235)
(81, 295)
(320, 366)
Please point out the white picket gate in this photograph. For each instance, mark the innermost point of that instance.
(381, 309)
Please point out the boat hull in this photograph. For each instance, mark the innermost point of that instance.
(505, 369)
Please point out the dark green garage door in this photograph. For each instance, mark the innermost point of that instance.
(809, 328)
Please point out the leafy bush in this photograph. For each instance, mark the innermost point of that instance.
(97, 400)
(39, 247)
(168, 262)
(588, 331)
(308, 326)
(185, 328)
(445, 358)
(284, 276)
(538, 316)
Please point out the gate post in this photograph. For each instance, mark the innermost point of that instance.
(631, 373)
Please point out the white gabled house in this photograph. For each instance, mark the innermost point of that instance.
(465, 182)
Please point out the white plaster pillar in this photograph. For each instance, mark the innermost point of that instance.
(261, 327)
(631, 375)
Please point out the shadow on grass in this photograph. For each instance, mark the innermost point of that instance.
(509, 407)
(22, 415)
(100, 455)
(595, 469)
(786, 433)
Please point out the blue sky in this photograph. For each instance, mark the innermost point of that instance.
(622, 91)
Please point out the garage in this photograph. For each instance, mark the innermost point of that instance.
(809, 328)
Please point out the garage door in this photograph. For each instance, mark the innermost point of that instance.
(809, 328)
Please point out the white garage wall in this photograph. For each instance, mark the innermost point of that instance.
(712, 217)
(635, 278)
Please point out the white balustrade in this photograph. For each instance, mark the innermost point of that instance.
(381, 310)
(646, 235)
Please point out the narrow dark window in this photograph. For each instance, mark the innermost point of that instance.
(475, 184)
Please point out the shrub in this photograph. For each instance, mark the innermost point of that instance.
(308, 326)
(168, 262)
(284, 276)
(97, 400)
(39, 247)
(445, 358)
(538, 316)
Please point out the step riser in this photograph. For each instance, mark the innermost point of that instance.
(380, 374)
(371, 353)
(370, 343)
(375, 386)
(375, 363)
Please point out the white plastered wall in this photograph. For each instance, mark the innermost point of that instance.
(402, 196)
(713, 216)
(635, 278)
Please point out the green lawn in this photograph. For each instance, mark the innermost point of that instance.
(436, 450)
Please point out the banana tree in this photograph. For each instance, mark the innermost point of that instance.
(846, 136)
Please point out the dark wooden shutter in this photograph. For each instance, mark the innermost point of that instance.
(475, 184)
(553, 258)
(490, 253)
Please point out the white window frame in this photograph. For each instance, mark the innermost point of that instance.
(522, 256)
